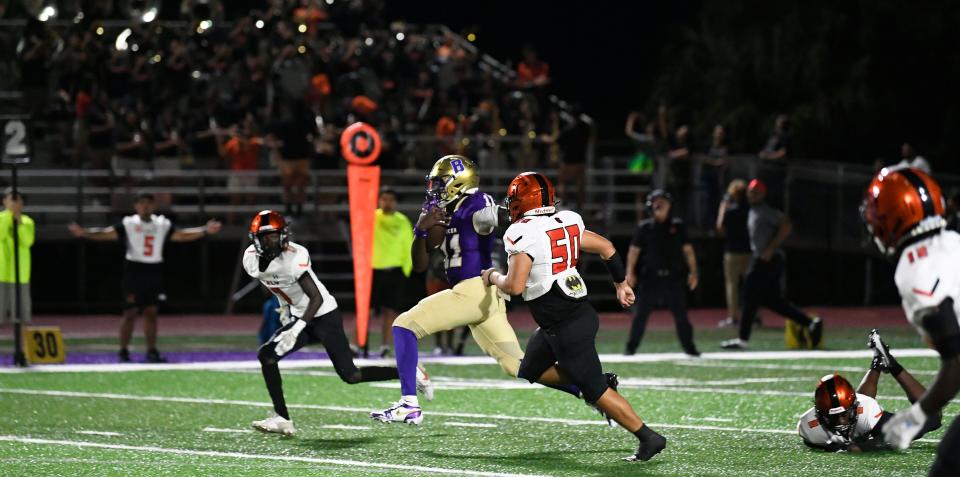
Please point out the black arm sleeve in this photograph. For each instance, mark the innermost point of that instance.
(615, 266)
(942, 327)
(316, 298)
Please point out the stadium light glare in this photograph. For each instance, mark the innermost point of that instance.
(302, 28)
(301, 49)
(204, 26)
(329, 2)
(502, 132)
(121, 43)
(156, 58)
(149, 15)
(471, 37)
(195, 74)
(99, 30)
(259, 24)
(400, 36)
(134, 47)
(79, 17)
(368, 41)
(47, 13)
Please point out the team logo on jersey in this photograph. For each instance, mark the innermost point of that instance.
(574, 287)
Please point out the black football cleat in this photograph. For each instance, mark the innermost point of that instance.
(816, 332)
(153, 356)
(648, 449)
(124, 355)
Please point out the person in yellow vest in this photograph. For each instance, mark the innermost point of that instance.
(13, 211)
(392, 263)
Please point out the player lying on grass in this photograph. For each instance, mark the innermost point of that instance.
(846, 420)
(310, 315)
(903, 210)
(543, 246)
(461, 218)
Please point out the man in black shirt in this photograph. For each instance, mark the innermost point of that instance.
(660, 256)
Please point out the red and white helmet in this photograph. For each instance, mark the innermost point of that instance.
(902, 203)
(836, 404)
(530, 193)
(268, 222)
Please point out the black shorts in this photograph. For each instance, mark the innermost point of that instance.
(387, 288)
(568, 340)
(142, 284)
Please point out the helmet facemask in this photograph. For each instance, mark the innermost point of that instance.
(269, 244)
(839, 420)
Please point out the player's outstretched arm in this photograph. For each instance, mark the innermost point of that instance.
(515, 280)
(93, 233)
(595, 243)
(194, 233)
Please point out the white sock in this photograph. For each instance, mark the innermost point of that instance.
(411, 400)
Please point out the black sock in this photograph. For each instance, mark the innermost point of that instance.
(271, 374)
(645, 434)
(378, 373)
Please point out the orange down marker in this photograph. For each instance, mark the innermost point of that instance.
(360, 146)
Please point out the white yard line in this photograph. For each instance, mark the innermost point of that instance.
(349, 428)
(469, 424)
(794, 367)
(465, 361)
(415, 469)
(460, 415)
(100, 433)
(229, 431)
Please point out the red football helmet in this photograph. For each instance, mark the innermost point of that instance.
(268, 232)
(901, 203)
(527, 192)
(836, 404)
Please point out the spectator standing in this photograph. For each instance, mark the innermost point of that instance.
(659, 258)
(294, 133)
(732, 226)
(773, 158)
(13, 212)
(392, 263)
(144, 235)
(768, 228)
(242, 154)
(712, 169)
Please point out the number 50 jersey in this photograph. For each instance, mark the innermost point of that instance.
(553, 243)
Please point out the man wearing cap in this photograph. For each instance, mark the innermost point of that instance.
(144, 235)
(662, 264)
(768, 229)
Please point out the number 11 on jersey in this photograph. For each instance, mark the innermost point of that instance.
(567, 253)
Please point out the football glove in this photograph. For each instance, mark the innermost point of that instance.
(902, 428)
(287, 338)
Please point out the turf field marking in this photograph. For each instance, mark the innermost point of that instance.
(796, 367)
(240, 455)
(100, 433)
(710, 419)
(349, 428)
(464, 361)
(461, 415)
(469, 424)
(234, 431)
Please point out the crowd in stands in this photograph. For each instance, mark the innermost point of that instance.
(274, 88)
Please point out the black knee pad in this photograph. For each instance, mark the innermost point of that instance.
(524, 372)
(266, 355)
(593, 389)
(352, 378)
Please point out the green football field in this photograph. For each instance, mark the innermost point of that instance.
(722, 416)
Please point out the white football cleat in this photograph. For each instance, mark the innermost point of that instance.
(399, 412)
(424, 385)
(275, 425)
